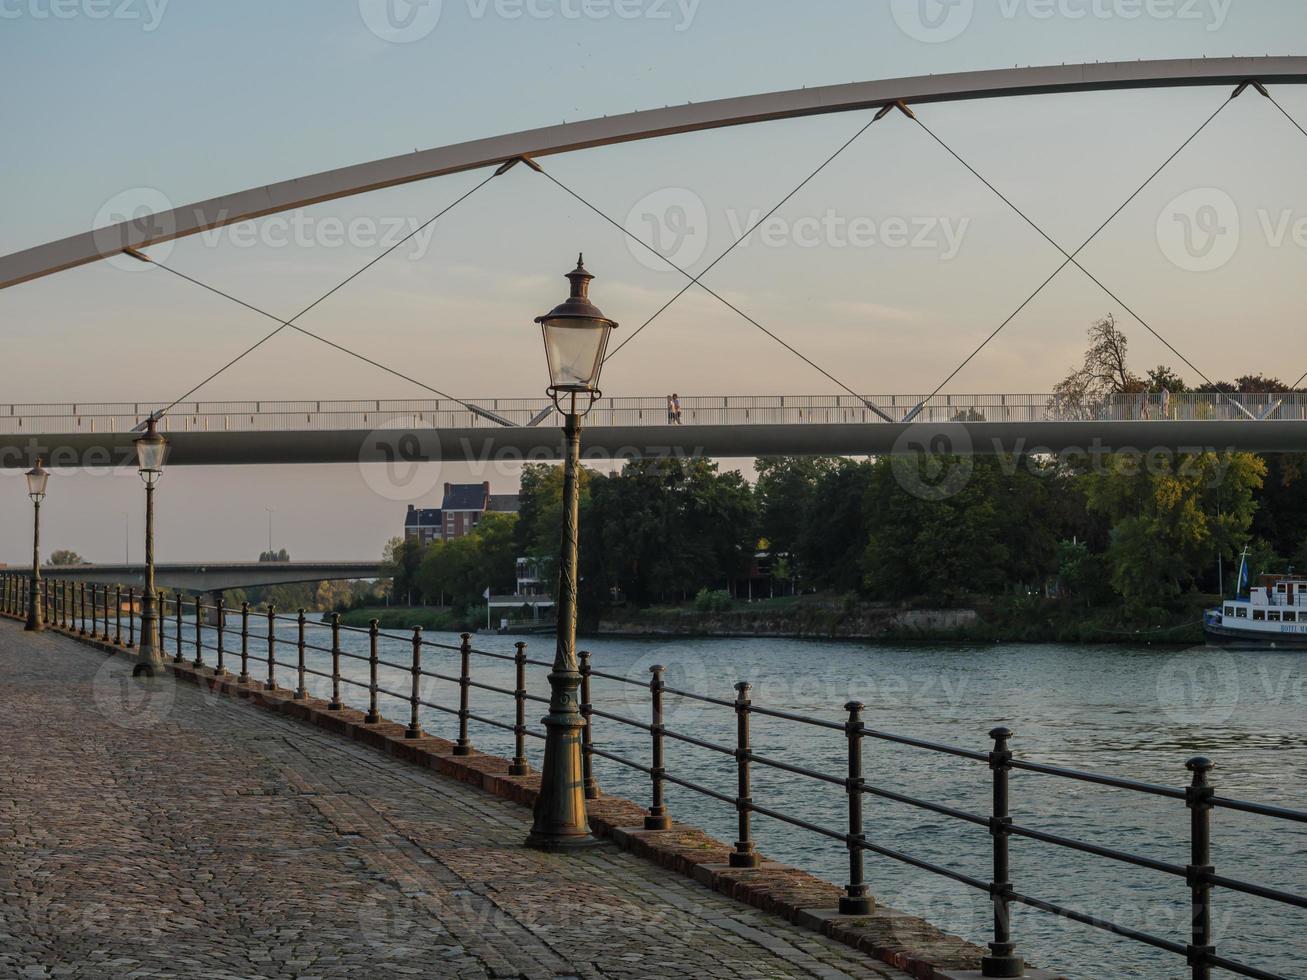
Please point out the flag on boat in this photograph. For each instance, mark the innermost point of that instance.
(1243, 573)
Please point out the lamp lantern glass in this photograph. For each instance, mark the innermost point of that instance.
(576, 337)
(36, 480)
(150, 450)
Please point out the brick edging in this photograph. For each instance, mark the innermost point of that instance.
(906, 942)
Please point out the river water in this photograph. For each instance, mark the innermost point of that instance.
(1136, 712)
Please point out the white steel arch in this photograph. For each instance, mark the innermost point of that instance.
(68, 253)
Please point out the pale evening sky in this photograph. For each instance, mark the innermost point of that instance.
(115, 104)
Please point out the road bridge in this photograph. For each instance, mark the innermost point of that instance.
(216, 577)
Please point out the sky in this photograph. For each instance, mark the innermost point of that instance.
(117, 105)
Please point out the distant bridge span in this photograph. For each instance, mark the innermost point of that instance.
(195, 577)
(416, 431)
(69, 253)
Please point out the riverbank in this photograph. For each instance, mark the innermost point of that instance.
(1023, 620)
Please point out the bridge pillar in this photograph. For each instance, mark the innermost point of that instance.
(211, 604)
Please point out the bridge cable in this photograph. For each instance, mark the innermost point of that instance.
(283, 324)
(752, 228)
(1070, 256)
(1298, 126)
(708, 289)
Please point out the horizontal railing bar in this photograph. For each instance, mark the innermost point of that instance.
(619, 678)
(1088, 777)
(704, 790)
(440, 677)
(700, 743)
(940, 808)
(797, 770)
(1106, 852)
(439, 707)
(720, 702)
(1243, 970)
(1260, 891)
(487, 721)
(621, 720)
(481, 686)
(1262, 809)
(802, 719)
(921, 743)
(595, 750)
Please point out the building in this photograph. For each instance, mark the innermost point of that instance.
(459, 512)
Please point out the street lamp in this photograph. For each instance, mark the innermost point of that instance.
(576, 337)
(150, 450)
(36, 481)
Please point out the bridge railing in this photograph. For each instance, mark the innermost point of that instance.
(418, 414)
(406, 670)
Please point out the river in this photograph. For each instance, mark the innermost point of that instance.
(1135, 712)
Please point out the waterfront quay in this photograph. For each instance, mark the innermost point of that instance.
(182, 833)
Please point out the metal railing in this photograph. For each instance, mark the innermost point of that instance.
(185, 622)
(407, 414)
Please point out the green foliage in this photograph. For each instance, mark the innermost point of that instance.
(664, 528)
(785, 489)
(280, 555)
(63, 558)
(714, 601)
(460, 570)
(1171, 516)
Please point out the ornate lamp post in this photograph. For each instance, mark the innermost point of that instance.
(36, 480)
(576, 338)
(150, 450)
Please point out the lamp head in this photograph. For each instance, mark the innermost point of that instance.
(576, 337)
(150, 451)
(37, 477)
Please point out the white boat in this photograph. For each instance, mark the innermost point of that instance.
(1272, 615)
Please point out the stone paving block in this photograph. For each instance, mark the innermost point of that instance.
(173, 829)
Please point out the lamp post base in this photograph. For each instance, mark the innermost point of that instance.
(560, 822)
(149, 662)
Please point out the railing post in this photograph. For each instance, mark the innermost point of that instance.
(657, 818)
(244, 677)
(131, 619)
(463, 746)
(301, 689)
(198, 663)
(118, 614)
(745, 854)
(855, 900)
(373, 716)
(414, 730)
(177, 620)
(81, 602)
(336, 703)
(221, 669)
(64, 602)
(1198, 798)
(271, 683)
(1002, 960)
(587, 741)
(103, 614)
(519, 766)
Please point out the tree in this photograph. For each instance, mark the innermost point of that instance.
(400, 562)
(1171, 517)
(63, 558)
(282, 555)
(665, 528)
(1104, 371)
(1163, 377)
(834, 532)
(785, 489)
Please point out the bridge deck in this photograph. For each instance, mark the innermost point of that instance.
(200, 836)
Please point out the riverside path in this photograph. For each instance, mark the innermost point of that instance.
(200, 836)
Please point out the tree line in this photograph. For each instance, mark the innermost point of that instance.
(1140, 532)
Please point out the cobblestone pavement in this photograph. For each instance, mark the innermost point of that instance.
(190, 835)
